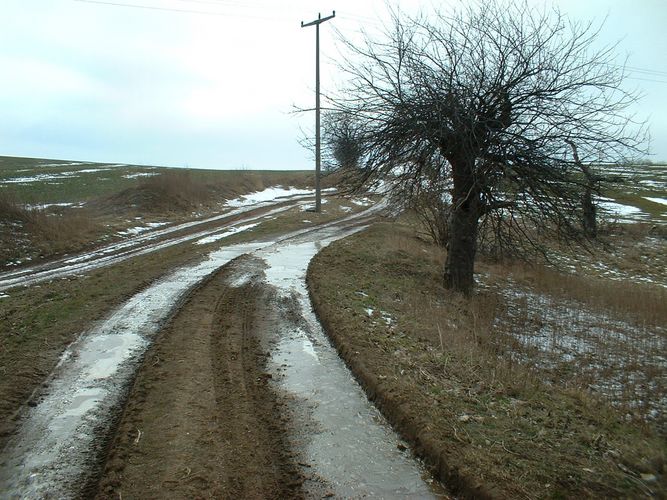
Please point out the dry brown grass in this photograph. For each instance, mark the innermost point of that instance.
(178, 190)
(33, 233)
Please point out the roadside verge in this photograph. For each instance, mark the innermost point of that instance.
(487, 426)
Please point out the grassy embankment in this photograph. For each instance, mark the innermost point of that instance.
(517, 393)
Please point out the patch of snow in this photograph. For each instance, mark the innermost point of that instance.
(140, 174)
(3, 295)
(362, 202)
(43, 206)
(662, 201)
(133, 231)
(91, 170)
(309, 207)
(37, 178)
(64, 164)
(306, 221)
(267, 194)
(369, 311)
(653, 184)
(345, 209)
(624, 213)
(233, 230)
(388, 318)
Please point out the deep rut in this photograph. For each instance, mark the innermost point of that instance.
(201, 421)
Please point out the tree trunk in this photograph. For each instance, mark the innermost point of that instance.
(463, 225)
(589, 223)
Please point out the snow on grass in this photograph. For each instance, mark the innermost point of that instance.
(267, 194)
(64, 164)
(362, 202)
(614, 358)
(133, 231)
(662, 201)
(91, 170)
(653, 184)
(44, 206)
(38, 178)
(619, 209)
(51, 177)
(233, 230)
(310, 207)
(140, 174)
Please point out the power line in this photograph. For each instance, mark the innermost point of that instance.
(150, 7)
(316, 23)
(176, 10)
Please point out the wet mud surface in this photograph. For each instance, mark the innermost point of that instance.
(242, 396)
(202, 421)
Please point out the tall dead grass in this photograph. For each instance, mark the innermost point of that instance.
(528, 324)
(179, 190)
(34, 233)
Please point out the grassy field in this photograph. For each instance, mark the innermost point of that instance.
(38, 182)
(52, 207)
(637, 186)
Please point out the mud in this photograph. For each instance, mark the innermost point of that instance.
(59, 440)
(202, 421)
(241, 395)
(346, 446)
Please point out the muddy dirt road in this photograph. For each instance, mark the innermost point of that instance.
(240, 394)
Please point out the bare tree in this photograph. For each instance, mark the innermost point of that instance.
(343, 141)
(495, 91)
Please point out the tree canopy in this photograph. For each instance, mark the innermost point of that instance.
(490, 97)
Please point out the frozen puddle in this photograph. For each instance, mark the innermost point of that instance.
(347, 442)
(53, 453)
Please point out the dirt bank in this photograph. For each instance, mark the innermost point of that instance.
(201, 421)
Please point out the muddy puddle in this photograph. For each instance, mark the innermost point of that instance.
(347, 446)
(57, 443)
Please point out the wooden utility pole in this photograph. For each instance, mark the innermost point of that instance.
(316, 23)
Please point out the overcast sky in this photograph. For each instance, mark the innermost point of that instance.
(99, 82)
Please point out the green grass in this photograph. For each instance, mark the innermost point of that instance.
(634, 182)
(113, 178)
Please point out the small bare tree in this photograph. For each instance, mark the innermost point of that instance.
(343, 141)
(495, 90)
